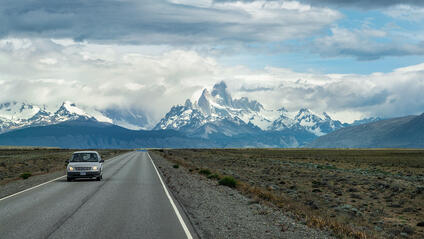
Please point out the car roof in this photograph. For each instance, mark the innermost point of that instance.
(85, 152)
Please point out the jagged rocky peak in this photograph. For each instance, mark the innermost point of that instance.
(70, 109)
(221, 94)
(18, 110)
(303, 112)
(221, 98)
(245, 103)
(204, 102)
(188, 104)
(308, 115)
(213, 107)
(366, 120)
(282, 110)
(326, 116)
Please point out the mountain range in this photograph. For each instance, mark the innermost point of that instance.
(215, 119)
(402, 132)
(16, 115)
(219, 117)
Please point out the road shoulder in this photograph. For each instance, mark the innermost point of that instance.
(20, 185)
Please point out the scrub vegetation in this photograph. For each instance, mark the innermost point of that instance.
(353, 193)
(228, 181)
(23, 162)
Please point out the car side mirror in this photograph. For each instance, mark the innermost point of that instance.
(102, 161)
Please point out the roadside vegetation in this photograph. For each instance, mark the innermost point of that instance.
(23, 162)
(353, 193)
(25, 175)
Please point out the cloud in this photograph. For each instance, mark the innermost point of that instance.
(162, 22)
(364, 4)
(244, 89)
(123, 76)
(365, 44)
(406, 12)
(100, 77)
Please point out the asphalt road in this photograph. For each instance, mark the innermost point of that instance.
(130, 202)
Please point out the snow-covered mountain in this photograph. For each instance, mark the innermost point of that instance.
(14, 115)
(215, 117)
(311, 122)
(366, 120)
(208, 114)
(216, 112)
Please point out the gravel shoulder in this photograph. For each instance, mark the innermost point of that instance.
(221, 212)
(19, 185)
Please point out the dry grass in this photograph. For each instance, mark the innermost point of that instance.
(15, 161)
(354, 193)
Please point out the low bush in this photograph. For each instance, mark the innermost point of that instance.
(206, 172)
(228, 181)
(25, 175)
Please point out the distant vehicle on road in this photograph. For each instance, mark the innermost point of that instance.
(85, 164)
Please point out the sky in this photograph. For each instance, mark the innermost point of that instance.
(351, 59)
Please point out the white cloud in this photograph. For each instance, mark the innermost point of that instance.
(160, 80)
(406, 12)
(366, 43)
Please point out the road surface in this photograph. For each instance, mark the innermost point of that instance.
(130, 202)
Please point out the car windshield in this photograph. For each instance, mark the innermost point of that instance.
(84, 157)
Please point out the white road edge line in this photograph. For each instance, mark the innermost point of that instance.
(39, 185)
(187, 232)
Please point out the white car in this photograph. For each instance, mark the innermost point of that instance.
(85, 164)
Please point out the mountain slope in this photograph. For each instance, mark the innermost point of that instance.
(403, 132)
(94, 134)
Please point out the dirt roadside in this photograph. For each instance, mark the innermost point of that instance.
(221, 212)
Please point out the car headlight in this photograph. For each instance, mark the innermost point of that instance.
(71, 168)
(94, 167)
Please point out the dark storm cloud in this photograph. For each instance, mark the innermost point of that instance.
(155, 21)
(95, 19)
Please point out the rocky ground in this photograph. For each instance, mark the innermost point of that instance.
(353, 193)
(223, 212)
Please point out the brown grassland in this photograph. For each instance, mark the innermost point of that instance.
(353, 193)
(15, 161)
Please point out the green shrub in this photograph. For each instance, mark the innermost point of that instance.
(176, 166)
(228, 181)
(25, 175)
(214, 176)
(205, 172)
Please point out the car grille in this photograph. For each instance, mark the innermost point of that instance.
(82, 168)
